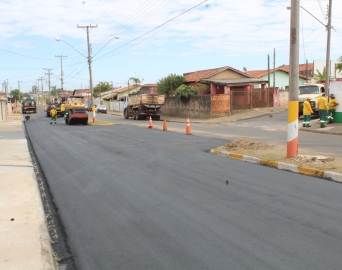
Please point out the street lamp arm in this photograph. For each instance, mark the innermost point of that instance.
(117, 37)
(58, 39)
(314, 17)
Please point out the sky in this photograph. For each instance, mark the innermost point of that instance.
(156, 38)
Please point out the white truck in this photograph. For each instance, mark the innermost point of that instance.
(140, 106)
(310, 90)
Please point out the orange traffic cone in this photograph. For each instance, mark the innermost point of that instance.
(165, 126)
(150, 124)
(188, 129)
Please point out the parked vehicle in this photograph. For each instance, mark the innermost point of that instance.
(28, 106)
(139, 106)
(310, 90)
(75, 111)
(102, 109)
(57, 107)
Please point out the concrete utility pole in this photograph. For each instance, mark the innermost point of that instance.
(62, 81)
(292, 120)
(49, 74)
(42, 79)
(19, 89)
(90, 69)
(38, 90)
(327, 64)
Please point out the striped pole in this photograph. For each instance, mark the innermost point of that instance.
(292, 119)
(292, 129)
(94, 114)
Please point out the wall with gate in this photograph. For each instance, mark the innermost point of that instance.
(205, 106)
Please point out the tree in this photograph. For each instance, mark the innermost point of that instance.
(102, 87)
(339, 65)
(169, 84)
(320, 77)
(185, 91)
(136, 81)
(15, 93)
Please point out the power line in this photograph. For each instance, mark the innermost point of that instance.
(153, 29)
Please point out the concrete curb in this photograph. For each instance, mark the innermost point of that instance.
(336, 177)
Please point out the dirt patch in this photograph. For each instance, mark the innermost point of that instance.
(245, 144)
(100, 123)
(305, 158)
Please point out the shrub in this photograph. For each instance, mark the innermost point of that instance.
(185, 91)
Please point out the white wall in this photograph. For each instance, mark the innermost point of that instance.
(320, 65)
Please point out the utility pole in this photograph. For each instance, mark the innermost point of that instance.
(327, 64)
(49, 74)
(292, 119)
(19, 89)
(62, 82)
(38, 90)
(41, 79)
(269, 79)
(90, 69)
(274, 71)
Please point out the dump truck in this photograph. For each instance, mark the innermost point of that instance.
(57, 107)
(74, 111)
(313, 91)
(140, 106)
(28, 105)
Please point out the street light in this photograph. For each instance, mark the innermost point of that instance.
(90, 63)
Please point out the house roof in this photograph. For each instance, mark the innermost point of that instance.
(122, 90)
(109, 96)
(235, 82)
(78, 92)
(150, 85)
(302, 67)
(204, 74)
(260, 73)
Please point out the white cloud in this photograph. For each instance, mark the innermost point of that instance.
(223, 27)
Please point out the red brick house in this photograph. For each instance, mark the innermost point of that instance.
(225, 90)
(238, 85)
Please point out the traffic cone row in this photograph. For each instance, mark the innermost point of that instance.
(187, 130)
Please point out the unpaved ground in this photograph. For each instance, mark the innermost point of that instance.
(278, 153)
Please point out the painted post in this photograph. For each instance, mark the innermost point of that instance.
(292, 120)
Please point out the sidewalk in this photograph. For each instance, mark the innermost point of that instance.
(24, 236)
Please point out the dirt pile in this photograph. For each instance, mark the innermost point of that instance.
(245, 144)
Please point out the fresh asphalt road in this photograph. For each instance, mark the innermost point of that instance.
(265, 129)
(139, 198)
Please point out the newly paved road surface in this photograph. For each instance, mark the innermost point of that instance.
(139, 198)
(265, 129)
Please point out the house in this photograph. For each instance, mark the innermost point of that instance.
(307, 70)
(334, 73)
(222, 91)
(114, 100)
(281, 75)
(3, 103)
(149, 89)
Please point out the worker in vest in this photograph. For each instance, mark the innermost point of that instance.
(307, 111)
(322, 105)
(332, 108)
(53, 114)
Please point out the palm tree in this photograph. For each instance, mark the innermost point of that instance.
(136, 81)
(320, 77)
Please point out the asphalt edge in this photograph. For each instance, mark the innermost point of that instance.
(60, 251)
(328, 175)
